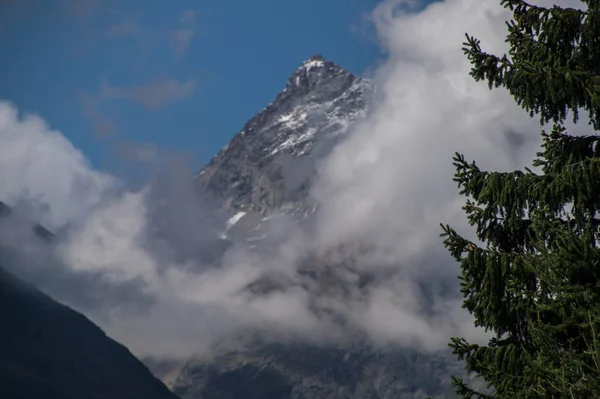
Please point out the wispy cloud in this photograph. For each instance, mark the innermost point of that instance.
(61, 176)
(153, 95)
(144, 153)
(123, 28)
(82, 8)
(181, 38)
(101, 124)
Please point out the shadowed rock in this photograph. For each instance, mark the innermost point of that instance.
(48, 350)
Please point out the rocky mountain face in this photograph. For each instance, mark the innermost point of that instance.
(266, 169)
(299, 370)
(48, 350)
(268, 165)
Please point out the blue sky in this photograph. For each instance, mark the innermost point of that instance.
(183, 75)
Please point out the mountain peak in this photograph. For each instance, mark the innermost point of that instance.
(318, 103)
(316, 60)
(316, 57)
(313, 72)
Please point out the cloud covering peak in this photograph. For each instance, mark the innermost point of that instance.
(387, 186)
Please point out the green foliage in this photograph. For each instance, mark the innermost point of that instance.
(534, 282)
(553, 63)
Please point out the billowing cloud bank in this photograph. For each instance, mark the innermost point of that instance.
(133, 259)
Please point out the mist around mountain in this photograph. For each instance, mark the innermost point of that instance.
(294, 326)
(259, 191)
(262, 178)
(285, 256)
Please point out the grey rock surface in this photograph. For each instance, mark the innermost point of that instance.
(268, 165)
(300, 371)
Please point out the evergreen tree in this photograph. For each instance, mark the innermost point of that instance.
(534, 281)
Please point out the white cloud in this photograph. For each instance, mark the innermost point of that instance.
(38, 163)
(116, 237)
(108, 240)
(388, 186)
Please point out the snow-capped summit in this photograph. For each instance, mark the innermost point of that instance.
(315, 57)
(268, 164)
(312, 72)
(315, 61)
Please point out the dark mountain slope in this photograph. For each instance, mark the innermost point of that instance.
(48, 350)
